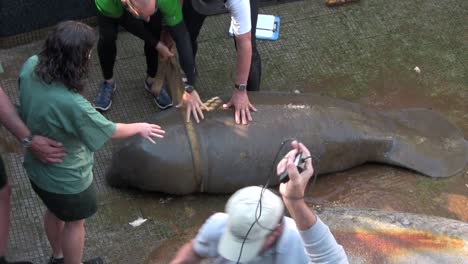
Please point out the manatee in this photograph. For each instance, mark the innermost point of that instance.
(219, 156)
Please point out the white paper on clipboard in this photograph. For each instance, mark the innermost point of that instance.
(265, 26)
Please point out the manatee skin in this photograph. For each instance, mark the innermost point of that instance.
(218, 156)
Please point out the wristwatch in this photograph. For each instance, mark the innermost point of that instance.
(240, 87)
(189, 88)
(26, 142)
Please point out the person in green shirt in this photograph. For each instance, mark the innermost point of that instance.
(43, 148)
(145, 19)
(51, 104)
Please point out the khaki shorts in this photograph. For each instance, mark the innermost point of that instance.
(69, 207)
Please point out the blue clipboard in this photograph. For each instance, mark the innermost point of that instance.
(275, 30)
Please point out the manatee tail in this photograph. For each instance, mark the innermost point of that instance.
(426, 142)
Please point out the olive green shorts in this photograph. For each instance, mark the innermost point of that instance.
(3, 176)
(69, 207)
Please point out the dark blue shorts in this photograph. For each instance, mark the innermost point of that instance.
(69, 207)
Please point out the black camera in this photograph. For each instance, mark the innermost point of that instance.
(299, 162)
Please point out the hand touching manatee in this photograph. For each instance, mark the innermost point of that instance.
(242, 107)
(149, 131)
(193, 105)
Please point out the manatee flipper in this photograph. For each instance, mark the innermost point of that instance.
(426, 142)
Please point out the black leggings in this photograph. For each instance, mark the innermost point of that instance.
(108, 30)
(194, 22)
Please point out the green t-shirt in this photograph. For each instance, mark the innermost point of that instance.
(54, 111)
(110, 8)
(170, 10)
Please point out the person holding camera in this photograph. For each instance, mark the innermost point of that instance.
(254, 229)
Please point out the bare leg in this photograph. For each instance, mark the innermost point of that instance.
(5, 206)
(73, 241)
(5, 193)
(54, 229)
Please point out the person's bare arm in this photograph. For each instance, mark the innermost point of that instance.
(243, 57)
(10, 118)
(186, 255)
(240, 99)
(190, 100)
(146, 130)
(293, 191)
(45, 149)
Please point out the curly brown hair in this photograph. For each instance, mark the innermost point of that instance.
(65, 55)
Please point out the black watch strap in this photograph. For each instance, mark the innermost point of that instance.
(240, 87)
(26, 142)
(189, 88)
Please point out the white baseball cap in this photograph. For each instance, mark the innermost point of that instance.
(243, 208)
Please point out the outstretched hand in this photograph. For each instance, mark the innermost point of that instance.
(242, 107)
(193, 105)
(295, 187)
(149, 131)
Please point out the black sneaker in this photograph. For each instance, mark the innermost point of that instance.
(53, 260)
(103, 100)
(163, 100)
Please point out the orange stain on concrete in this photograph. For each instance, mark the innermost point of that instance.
(457, 204)
(385, 244)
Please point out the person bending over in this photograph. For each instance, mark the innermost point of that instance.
(244, 14)
(145, 19)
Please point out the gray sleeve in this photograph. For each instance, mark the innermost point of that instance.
(321, 246)
(207, 239)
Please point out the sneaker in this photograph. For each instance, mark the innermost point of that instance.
(53, 260)
(104, 98)
(97, 260)
(163, 100)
